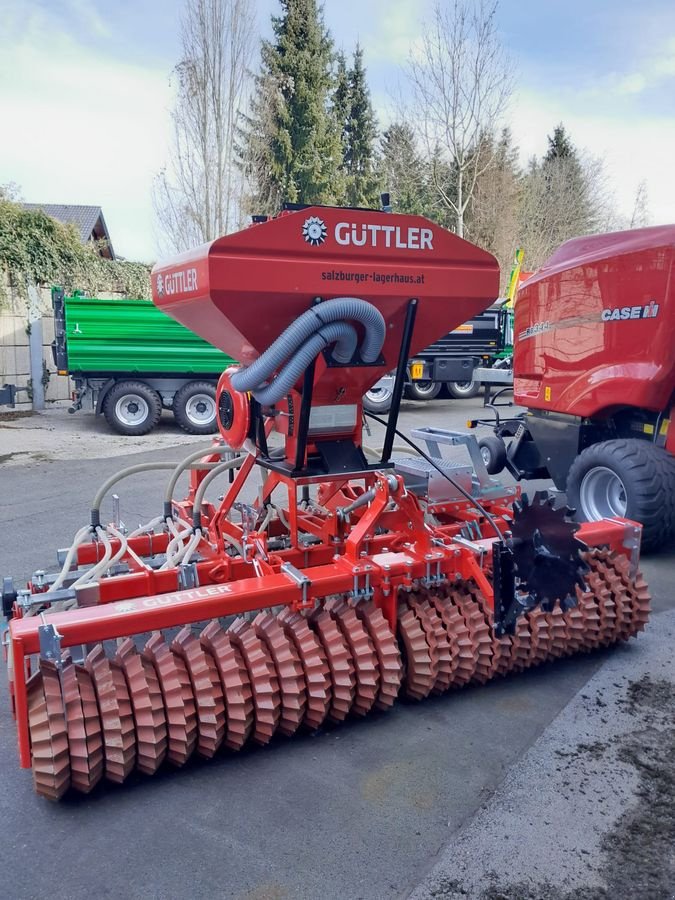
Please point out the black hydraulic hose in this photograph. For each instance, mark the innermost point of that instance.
(341, 309)
(345, 339)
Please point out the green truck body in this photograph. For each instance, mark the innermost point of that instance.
(129, 361)
(133, 336)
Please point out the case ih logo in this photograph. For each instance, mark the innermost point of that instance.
(314, 231)
(181, 282)
(349, 234)
(621, 313)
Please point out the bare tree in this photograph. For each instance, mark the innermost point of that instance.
(493, 216)
(461, 82)
(640, 216)
(200, 193)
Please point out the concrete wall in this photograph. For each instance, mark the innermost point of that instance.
(19, 316)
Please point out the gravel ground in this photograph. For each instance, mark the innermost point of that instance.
(53, 434)
(589, 812)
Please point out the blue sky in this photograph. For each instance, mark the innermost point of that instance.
(85, 94)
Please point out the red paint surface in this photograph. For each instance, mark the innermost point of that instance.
(591, 366)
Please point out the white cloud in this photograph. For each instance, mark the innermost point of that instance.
(632, 149)
(654, 69)
(88, 15)
(80, 126)
(396, 30)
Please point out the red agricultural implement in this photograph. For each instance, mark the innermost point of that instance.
(349, 576)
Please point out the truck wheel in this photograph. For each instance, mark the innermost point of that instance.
(629, 478)
(422, 390)
(377, 400)
(133, 408)
(493, 451)
(463, 390)
(194, 408)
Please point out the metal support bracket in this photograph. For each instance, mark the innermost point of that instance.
(435, 577)
(297, 577)
(188, 576)
(362, 593)
(50, 643)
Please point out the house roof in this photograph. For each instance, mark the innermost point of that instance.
(88, 220)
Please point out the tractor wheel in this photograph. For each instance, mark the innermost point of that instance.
(493, 451)
(422, 390)
(630, 478)
(463, 390)
(194, 407)
(132, 408)
(377, 400)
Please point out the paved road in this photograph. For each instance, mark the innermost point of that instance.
(359, 811)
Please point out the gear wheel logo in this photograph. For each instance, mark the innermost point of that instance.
(125, 607)
(314, 231)
(160, 286)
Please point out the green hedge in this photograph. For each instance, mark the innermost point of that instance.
(35, 248)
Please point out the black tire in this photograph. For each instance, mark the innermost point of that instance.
(626, 477)
(493, 451)
(377, 400)
(132, 408)
(422, 390)
(463, 390)
(194, 408)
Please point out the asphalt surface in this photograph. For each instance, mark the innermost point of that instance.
(589, 812)
(357, 811)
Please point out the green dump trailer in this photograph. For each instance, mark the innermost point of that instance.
(128, 361)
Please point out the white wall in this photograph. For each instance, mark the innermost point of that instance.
(14, 348)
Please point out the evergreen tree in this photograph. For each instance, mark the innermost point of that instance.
(341, 101)
(293, 150)
(402, 171)
(360, 135)
(562, 198)
(559, 145)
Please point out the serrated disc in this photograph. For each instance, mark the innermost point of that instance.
(419, 671)
(207, 691)
(147, 705)
(521, 641)
(340, 663)
(48, 736)
(179, 701)
(444, 664)
(234, 678)
(541, 637)
(387, 650)
(479, 632)
(263, 678)
(289, 671)
(462, 650)
(314, 664)
(366, 668)
(83, 727)
(117, 719)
